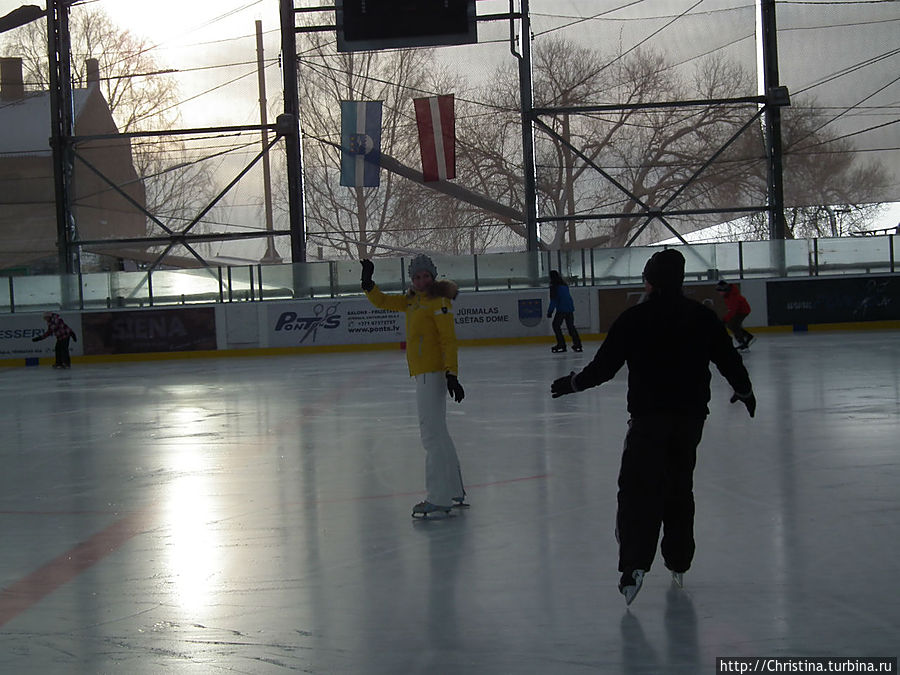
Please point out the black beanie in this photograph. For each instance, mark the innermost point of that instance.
(665, 270)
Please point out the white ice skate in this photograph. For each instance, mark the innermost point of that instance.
(630, 591)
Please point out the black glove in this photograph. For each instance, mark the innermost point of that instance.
(368, 269)
(564, 385)
(36, 339)
(455, 388)
(549, 315)
(748, 400)
(74, 337)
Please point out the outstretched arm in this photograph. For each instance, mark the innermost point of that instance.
(731, 366)
(393, 303)
(603, 367)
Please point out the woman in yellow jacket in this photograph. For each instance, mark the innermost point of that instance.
(431, 355)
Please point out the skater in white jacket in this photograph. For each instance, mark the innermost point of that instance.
(432, 358)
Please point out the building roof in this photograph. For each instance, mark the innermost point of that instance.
(25, 123)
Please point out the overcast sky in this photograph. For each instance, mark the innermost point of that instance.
(845, 54)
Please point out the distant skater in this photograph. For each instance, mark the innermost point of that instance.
(738, 310)
(56, 326)
(432, 358)
(668, 342)
(561, 301)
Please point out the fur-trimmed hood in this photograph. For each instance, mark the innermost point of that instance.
(440, 289)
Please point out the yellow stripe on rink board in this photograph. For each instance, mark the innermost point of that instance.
(397, 346)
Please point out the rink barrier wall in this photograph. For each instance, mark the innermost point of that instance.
(349, 324)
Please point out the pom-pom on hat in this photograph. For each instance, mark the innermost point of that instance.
(422, 262)
(665, 269)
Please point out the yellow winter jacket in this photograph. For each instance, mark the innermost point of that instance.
(430, 330)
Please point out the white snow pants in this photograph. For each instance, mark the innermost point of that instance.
(443, 480)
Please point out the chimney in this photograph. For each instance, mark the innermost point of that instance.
(12, 87)
(93, 71)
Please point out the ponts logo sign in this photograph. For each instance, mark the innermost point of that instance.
(306, 327)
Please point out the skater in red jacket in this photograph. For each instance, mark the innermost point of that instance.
(738, 310)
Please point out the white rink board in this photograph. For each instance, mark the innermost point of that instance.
(356, 321)
(17, 331)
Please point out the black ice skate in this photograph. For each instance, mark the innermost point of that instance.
(459, 503)
(558, 348)
(429, 511)
(577, 348)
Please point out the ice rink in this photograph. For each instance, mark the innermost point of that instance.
(252, 515)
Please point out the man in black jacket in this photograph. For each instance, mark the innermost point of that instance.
(668, 342)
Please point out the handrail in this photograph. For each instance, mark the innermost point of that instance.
(473, 273)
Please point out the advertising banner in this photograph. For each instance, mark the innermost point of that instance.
(356, 321)
(614, 301)
(498, 315)
(332, 322)
(150, 330)
(810, 301)
(17, 331)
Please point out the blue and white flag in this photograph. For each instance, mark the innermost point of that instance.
(360, 143)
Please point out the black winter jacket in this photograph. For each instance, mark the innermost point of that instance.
(668, 342)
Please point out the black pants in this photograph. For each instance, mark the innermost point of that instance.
(735, 325)
(656, 489)
(569, 318)
(62, 353)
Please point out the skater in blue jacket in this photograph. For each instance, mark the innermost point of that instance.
(561, 301)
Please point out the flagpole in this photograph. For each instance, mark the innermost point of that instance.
(271, 254)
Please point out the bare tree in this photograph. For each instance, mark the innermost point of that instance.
(829, 191)
(618, 163)
(644, 156)
(140, 98)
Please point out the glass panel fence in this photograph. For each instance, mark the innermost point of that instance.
(620, 265)
(494, 271)
(699, 262)
(276, 282)
(129, 289)
(40, 292)
(180, 287)
(6, 288)
(500, 271)
(728, 260)
(763, 259)
(855, 255)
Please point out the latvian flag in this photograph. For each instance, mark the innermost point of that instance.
(437, 137)
(360, 143)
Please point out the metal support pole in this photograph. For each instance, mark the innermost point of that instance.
(527, 103)
(775, 185)
(62, 124)
(890, 249)
(289, 128)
